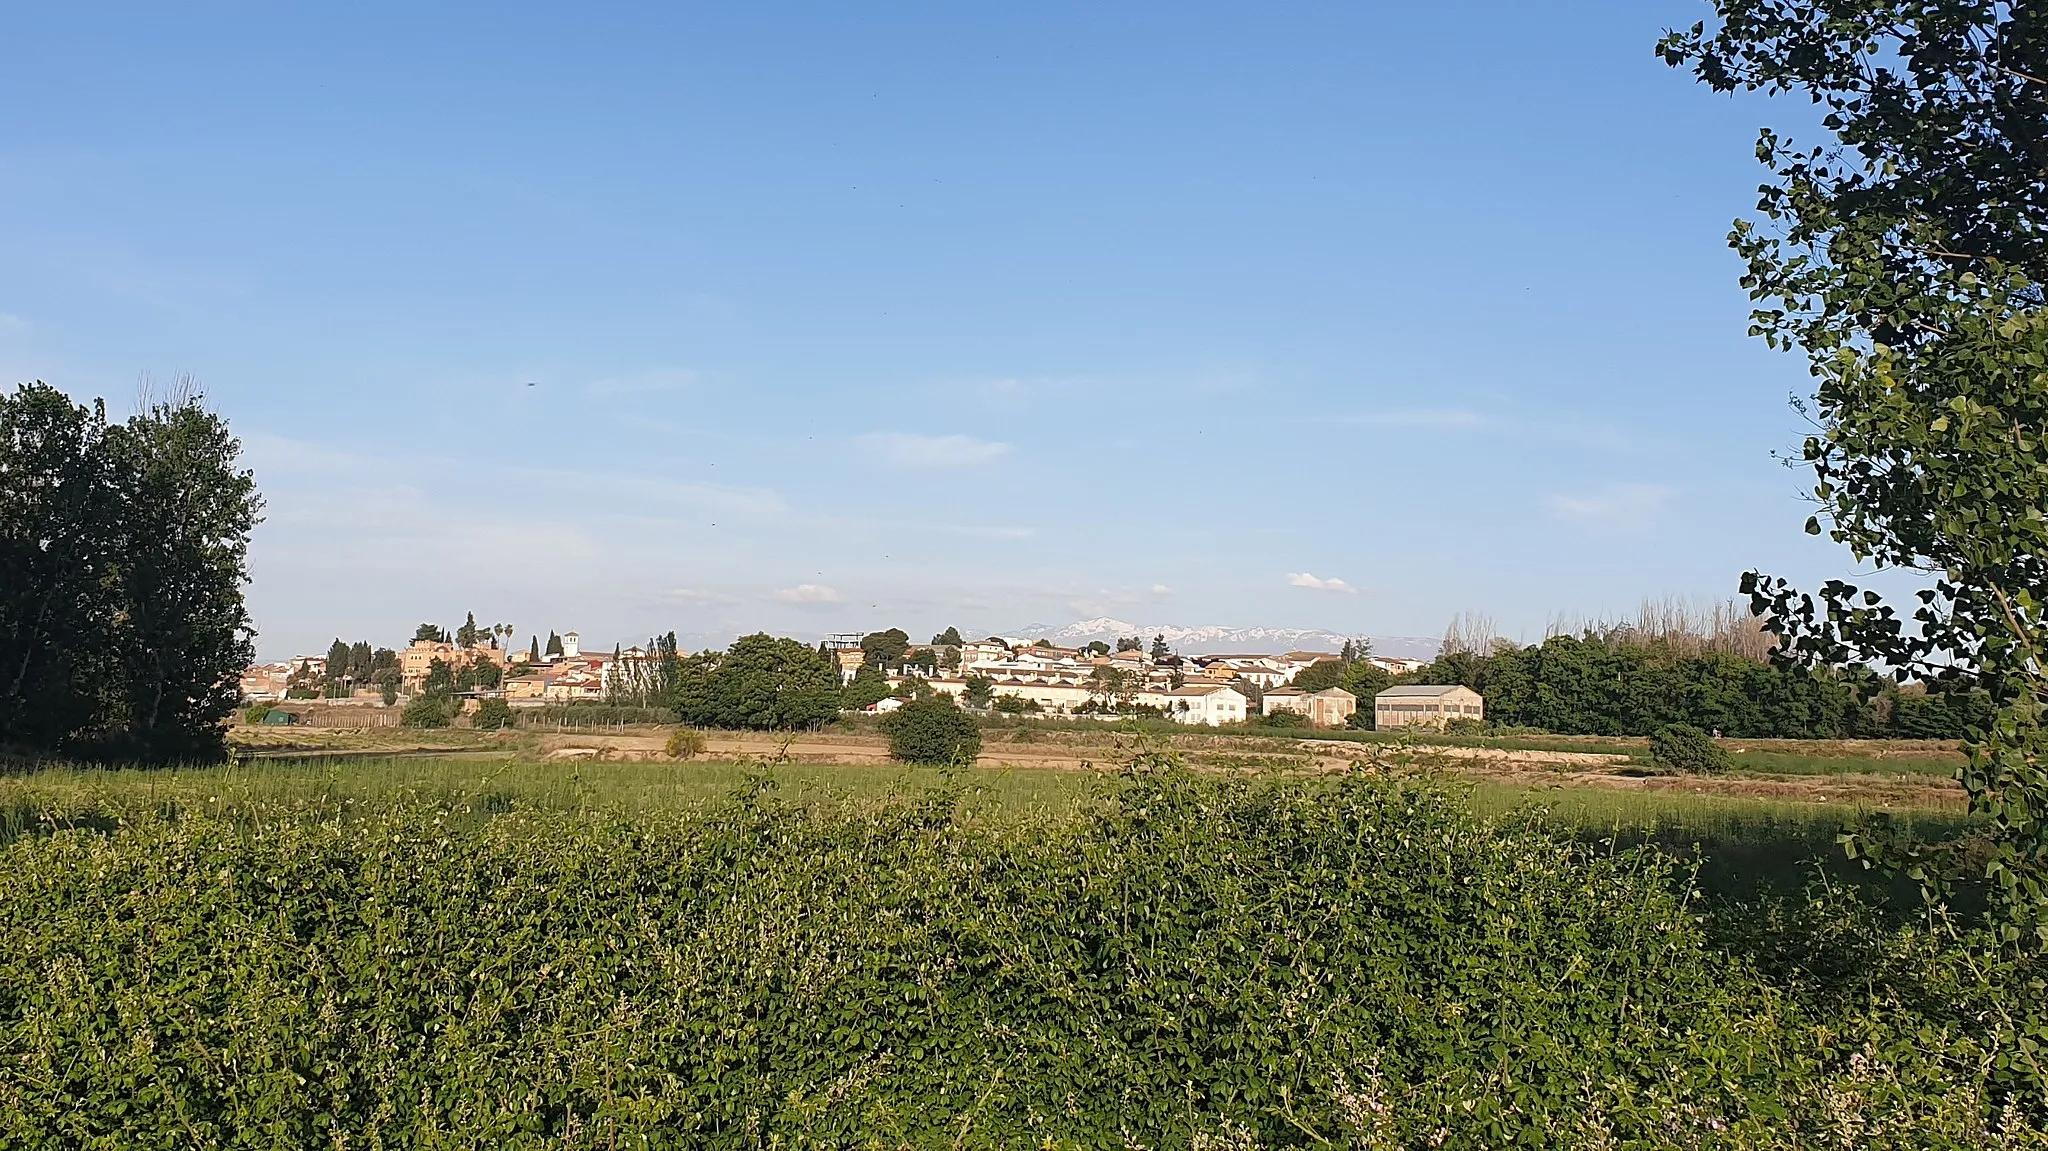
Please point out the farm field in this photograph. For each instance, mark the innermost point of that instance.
(1878, 774)
(498, 949)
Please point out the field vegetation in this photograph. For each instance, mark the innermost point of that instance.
(501, 952)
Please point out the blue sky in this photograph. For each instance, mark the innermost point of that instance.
(844, 316)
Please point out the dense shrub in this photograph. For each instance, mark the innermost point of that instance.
(1356, 964)
(685, 743)
(932, 730)
(430, 709)
(492, 714)
(1687, 748)
(1280, 718)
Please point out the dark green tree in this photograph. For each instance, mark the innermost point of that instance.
(183, 635)
(554, 646)
(867, 688)
(1905, 258)
(932, 730)
(980, 690)
(948, 638)
(1129, 643)
(760, 683)
(492, 714)
(468, 633)
(1323, 673)
(429, 633)
(59, 533)
(440, 678)
(337, 669)
(1159, 649)
(885, 649)
(361, 663)
(1365, 681)
(533, 651)
(123, 549)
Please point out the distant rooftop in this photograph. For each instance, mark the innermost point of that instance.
(1424, 689)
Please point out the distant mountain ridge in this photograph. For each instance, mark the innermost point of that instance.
(1213, 639)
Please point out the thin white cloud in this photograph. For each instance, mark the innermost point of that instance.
(1615, 503)
(808, 593)
(1161, 589)
(1317, 583)
(910, 451)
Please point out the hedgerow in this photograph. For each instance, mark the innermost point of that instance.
(1202, 963)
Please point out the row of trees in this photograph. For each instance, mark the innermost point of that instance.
(1597, 685)
(123, 551)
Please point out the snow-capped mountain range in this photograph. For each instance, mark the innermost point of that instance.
(1214, 639)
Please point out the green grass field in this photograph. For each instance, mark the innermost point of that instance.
(1742, 843)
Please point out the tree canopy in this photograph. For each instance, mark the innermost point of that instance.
(123, 551)
(1905, 258)
(885, 649)
(760, 682)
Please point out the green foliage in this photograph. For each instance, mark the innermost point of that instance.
(759, 683)
(1365, 681)
(429, 709)
(932, 730)
(492, 714)
(979, 692)
(440, 678)
(1280, 718)
(1687, 748)
(255, 712)
(430, 633)
(1594, 685)
(884, 650)
(1906, 260)
(948, 638)
(554, 649)
(1322, 674)
(685, 743)
(123, 550)
(867, 688)
(1359, 964)
(1009, 703)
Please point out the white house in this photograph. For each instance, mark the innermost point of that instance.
(1207, 704)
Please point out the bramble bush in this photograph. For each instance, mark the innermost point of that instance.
(1687, 748)
(429, 709)
(1203, 962)
(932, 730)
(493, 714)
